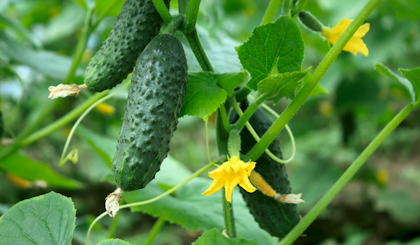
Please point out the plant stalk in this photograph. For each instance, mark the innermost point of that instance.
(155, 230)
(191, 15)
(163, 10)
(198, 50)
(228, 215)
(301, 97)
(249, 111)
(271, 11)
(345, 178)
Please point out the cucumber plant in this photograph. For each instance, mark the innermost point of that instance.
(163, 89)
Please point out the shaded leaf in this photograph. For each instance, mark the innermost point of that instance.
(413, 76)
(388, 72)
(113, 242)
(48, 220)
(31, 170)
(229, 81)
(280, 41)
(108, 7)
(214, 236)
(281, 85)
(104, 146)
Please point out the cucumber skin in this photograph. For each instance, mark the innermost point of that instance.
(155, 99)
(137, 24)
(274, 217)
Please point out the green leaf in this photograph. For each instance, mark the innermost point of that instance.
(190, 209)
(229, 81)
(280, 41)
(113, 242)
(108, 7)
(104, 146)
(316, 91)
(388, 72)
(214, 236)
(48, 220)
(31, 170)
(413, 76)
(203, 95)
(281, 85)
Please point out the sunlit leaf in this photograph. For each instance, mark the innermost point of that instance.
(48, 220)
(413, 76)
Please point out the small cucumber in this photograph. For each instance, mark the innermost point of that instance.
(159, 84)
(137, 24)
(274, 217)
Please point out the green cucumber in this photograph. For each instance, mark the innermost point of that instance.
(137, 24)
(274, 217)
(157, 91)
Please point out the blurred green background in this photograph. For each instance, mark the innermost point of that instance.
(381, 205)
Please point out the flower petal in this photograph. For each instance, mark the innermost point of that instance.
(246, 184)
(342, 26)
(363, 29)
(216, 185)
(356, 45)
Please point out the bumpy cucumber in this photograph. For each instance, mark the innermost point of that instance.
(137, 24)
(274, 217)
(158, 87)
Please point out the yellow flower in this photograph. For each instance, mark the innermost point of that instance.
(229, 175)
(355, 44)
(105, 108)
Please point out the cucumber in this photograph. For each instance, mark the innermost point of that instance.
(137, 24)
(274, 217)
(155, 98)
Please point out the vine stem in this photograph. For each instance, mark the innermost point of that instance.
(191, 15)
(53, 126)
(207, 138)
(163, 10)
(354, 167)
(198, 51)
(249, 111)
(257, 138)
(224, 117)
(313, 80)
(198, 172)
(113, 226)
(155, 230)
(271, 11)
(228, 215)
(76, 124)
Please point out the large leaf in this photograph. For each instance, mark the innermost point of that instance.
(281, 85)
(113, 242)
(207, 91)
(279, 42)
(31, 170)
(48, 220)
(214, 236)
(413, 76)
(190, 209)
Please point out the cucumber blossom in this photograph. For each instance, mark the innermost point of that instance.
(137, 24)
(274, 217)
(159, 84)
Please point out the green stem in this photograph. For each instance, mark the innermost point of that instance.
(163, 10)
(81, 46)
(299, 7)
(156, 228)
(297, 102)
(113, 226)
(242, 94)
(338, 186)
(53, 126)
(271, 11)
(229, 218)
(174, 25)
(206, 125)
(182, 6)
(198, 50)
(249, 111)
(224, 117)
(191, 16)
